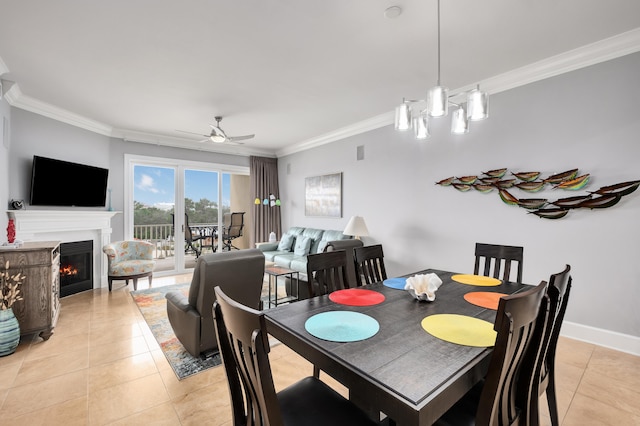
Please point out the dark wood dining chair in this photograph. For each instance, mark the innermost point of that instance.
(244, 347)
(503, 397)
(369, 262)
(491, 259)
(327, 272)
(558, 293)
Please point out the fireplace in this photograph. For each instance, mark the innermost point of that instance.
(76, 267)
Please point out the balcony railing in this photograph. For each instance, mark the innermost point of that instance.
(162, 235)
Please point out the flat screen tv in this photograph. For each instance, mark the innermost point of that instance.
(62, 183)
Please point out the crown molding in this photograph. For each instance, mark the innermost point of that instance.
(17, 99)
(153, 139)
(591, 54)
(373, 123)
(600, 51)
(3, 67)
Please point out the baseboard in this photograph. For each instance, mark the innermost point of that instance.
(598, 336)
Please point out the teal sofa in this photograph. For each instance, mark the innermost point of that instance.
(292, 249)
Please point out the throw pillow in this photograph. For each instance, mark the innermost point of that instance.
(286, 242)
(302, 246)
(322, 245)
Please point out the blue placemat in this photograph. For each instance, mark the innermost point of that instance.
(342, 326)
(397, 283)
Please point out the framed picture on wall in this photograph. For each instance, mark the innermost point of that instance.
(323, 195)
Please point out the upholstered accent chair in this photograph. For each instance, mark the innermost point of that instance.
(240, 273)
(129, 260)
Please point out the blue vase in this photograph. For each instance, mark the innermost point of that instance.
(9, 332)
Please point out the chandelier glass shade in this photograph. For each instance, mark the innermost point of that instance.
(460, 121)
(410, 114)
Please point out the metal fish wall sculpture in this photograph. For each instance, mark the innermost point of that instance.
(606, 196)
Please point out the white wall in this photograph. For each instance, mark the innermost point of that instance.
(5, 119)
(587, 119)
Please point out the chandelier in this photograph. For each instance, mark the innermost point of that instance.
(411, 115)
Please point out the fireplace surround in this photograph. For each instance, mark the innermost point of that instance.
(69, 226)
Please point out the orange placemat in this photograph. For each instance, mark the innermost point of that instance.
(484, 299)
(476, 280)
(460, 329)
(356, 297)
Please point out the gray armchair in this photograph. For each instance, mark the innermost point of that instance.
(240, 274)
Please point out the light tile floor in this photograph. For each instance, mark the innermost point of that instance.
(103, 366)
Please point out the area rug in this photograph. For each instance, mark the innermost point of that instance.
(153, 306)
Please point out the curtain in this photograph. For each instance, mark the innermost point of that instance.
(264, 181)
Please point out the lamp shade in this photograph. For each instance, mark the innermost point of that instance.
(438, 101)
(478, 105)
(356, 227)
(421, 125)
(459, 122)
(403, 116)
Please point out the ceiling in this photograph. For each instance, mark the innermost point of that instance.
(290, 71)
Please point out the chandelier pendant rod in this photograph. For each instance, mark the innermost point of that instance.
(439, 43)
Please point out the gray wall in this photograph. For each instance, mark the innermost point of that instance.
(33, 134)
(587, 119)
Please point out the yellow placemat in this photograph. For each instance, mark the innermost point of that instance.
(476, 280)
(460, 329)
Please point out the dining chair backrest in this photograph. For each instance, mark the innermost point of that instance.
(244, 348)
(507, 389)
(369, 262)
(491, 259)
(558, 293)
(328, 270)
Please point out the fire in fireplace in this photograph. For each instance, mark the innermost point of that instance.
(76, 267)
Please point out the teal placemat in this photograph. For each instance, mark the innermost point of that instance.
(397, 283)
(342, 326)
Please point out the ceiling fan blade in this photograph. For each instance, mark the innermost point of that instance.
(240, 138)
(191, 133)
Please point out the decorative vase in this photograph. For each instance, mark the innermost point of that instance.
(9, 332)
(11, 231)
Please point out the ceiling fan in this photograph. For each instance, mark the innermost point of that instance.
(218, 135)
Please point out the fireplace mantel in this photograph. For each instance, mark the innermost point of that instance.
(68, 226)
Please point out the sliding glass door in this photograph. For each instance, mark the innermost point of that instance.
(179, 207)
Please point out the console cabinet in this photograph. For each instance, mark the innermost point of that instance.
(39, 261)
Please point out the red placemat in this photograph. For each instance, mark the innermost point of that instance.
(356, 297)
(484, 299)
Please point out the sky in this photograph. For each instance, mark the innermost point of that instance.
(154, 186)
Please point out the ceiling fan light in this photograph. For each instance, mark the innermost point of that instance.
(217, 138)
(421, 126)
(403, 117)
(478, 105)
(459, 122)
(438, 101)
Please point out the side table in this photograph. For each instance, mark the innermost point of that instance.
(278, 271)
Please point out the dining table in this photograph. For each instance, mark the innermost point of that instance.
(401, 370)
